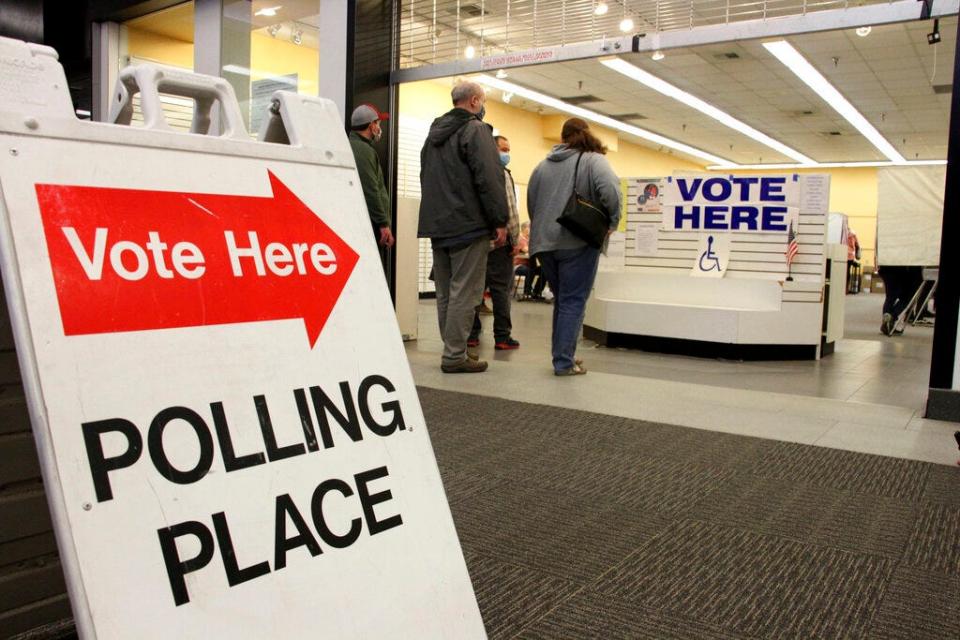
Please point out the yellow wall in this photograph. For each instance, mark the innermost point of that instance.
(276, 57)
(852, 191)
(156, 48)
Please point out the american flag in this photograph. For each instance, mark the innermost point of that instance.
(792, 246)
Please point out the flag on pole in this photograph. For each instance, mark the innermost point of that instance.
(792, 246)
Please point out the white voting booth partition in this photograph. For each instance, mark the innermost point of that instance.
(231, 439)
(705, 264)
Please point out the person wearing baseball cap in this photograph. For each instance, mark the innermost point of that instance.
(364, 131)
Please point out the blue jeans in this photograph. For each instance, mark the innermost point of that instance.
(570, 273)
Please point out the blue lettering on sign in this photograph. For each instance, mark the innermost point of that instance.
(771, 189)
(744, 186)
(743, 217)
(679, 215)
(688, 193)
(710, 193)
(773, 218)
(715, 217)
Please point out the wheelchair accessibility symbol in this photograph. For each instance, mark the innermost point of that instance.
(708, 259)
(712, 257)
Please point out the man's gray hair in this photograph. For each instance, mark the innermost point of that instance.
(465, 90)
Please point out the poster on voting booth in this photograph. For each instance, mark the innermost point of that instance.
(234, 433)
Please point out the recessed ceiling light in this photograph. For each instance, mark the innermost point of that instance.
(658, 55)
(599, 118)
(601, 9)
(469, 52)
(268, 12)
(863, 32)
(794, 61)
(626, 25)
(667, 89)
(502, 73)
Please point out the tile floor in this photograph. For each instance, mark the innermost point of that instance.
(868, 396)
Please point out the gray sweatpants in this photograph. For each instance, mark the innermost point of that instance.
(459, 275)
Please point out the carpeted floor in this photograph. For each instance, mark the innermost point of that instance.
(580, 525)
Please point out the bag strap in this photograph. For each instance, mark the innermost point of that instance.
(576, 170)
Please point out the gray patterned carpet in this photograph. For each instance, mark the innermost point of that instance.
(579, 525)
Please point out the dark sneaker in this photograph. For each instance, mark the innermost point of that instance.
(468, 365)
(473, 342)
(506, 345)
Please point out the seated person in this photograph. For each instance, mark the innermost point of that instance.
(528, 266)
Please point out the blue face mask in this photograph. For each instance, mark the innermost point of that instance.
(504, 158)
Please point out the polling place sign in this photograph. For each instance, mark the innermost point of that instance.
(707, 202)
(230, 435)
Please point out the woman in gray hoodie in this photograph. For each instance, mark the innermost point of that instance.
(569, 263)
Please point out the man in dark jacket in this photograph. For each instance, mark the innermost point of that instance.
(463, 205)
(364, 131)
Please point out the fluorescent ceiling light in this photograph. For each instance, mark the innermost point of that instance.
(667, 89)
(826, 165)
(599, 118)
(789, 56)
(268, 12)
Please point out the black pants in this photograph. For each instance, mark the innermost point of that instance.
(499, 278)
(533, 280)
(899, 285)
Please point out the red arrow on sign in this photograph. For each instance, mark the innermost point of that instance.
(130, 260)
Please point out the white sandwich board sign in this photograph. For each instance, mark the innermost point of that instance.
(230, 435)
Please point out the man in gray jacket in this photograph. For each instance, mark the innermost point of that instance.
(463, 205)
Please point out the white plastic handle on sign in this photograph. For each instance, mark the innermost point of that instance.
(208, 92)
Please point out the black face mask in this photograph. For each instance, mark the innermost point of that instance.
(482, 112)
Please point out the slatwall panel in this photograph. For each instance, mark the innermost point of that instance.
(412, 134)
(752, 255)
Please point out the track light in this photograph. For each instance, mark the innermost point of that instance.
(502, 73)
(507, 97)
(658, 55)
(297, 36)
(863, 32)
(273, 30)
(934, 36)
(601, 9)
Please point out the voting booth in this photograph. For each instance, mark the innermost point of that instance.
(721, 265)
(230, 436)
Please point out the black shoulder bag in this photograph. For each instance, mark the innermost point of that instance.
(583, 218)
